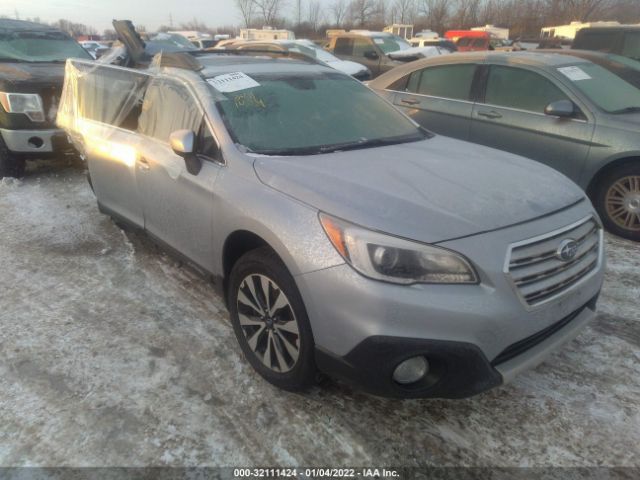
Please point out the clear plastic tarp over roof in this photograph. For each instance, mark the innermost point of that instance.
(109, 107)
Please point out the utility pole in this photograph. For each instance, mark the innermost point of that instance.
(171, 20)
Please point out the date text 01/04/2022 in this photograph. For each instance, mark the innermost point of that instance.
(314, 472)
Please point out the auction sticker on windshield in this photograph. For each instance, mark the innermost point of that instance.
(232, 82)
(574, 73)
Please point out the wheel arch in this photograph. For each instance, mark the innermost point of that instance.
(238, 243)
(612, 164)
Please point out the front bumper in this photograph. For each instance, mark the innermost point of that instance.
(35, 141)
(473, 326)
(456, 369)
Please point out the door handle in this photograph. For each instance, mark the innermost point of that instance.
(409, 102)
(143, 164)
(491, 114)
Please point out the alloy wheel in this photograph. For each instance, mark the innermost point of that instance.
(623, 202)
(268, 322)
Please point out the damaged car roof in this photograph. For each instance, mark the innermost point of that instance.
(216, 64)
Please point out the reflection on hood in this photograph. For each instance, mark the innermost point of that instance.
(429, 191)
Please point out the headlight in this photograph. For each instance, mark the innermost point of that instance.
(384, 257)
(28, 103)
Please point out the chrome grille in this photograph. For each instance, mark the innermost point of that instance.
(50, 99)
(538, 272)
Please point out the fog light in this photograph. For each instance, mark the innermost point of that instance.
(411, 370)
(35, 142)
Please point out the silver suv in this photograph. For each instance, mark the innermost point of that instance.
(344, 238)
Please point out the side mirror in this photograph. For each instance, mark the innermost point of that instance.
(183, 144)
(560, 108)
(371, 55)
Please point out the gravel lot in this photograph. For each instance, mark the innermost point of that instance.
(111, 353)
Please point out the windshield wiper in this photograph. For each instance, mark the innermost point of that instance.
(344, 146)
(367, 143)
(627, 110)
(340, 147)
(285, 152)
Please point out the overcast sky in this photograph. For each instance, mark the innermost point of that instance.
(150, 13)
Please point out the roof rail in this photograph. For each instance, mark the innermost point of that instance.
(184, 60)
(258, 52)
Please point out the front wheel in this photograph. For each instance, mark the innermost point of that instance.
(270, 321)
(618, 201)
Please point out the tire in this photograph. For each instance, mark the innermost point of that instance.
(269, 337)
(10, 166)
(617, 201)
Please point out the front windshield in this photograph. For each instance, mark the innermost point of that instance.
(391, 43)
(310, 113)
(39, 46)
(320, 53)
(604, 88)
(310, 50)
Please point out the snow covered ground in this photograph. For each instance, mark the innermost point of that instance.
(111, 353)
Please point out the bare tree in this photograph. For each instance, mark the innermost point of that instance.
(626, 10)
(379, 19)
(465, 13)
(437, 14)
(268, 10)
(404, 11)
(74, 29)
(246, 8)
(315, 14)
(583, 10)
(338, 11)
(298, 12)
(362, 11)
(194, 24)
(109, 34)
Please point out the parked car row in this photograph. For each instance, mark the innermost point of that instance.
(306, 47)
(475, 41)
(379, 51)
(360, 53)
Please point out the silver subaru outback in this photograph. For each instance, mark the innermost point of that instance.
(344, 238)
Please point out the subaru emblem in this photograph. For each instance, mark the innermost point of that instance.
(567, 250)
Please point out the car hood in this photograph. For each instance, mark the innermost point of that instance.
(345, 66)
(30, 74)
(430, 191)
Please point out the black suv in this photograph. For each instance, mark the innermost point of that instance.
(32, 58)
(623, 40)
